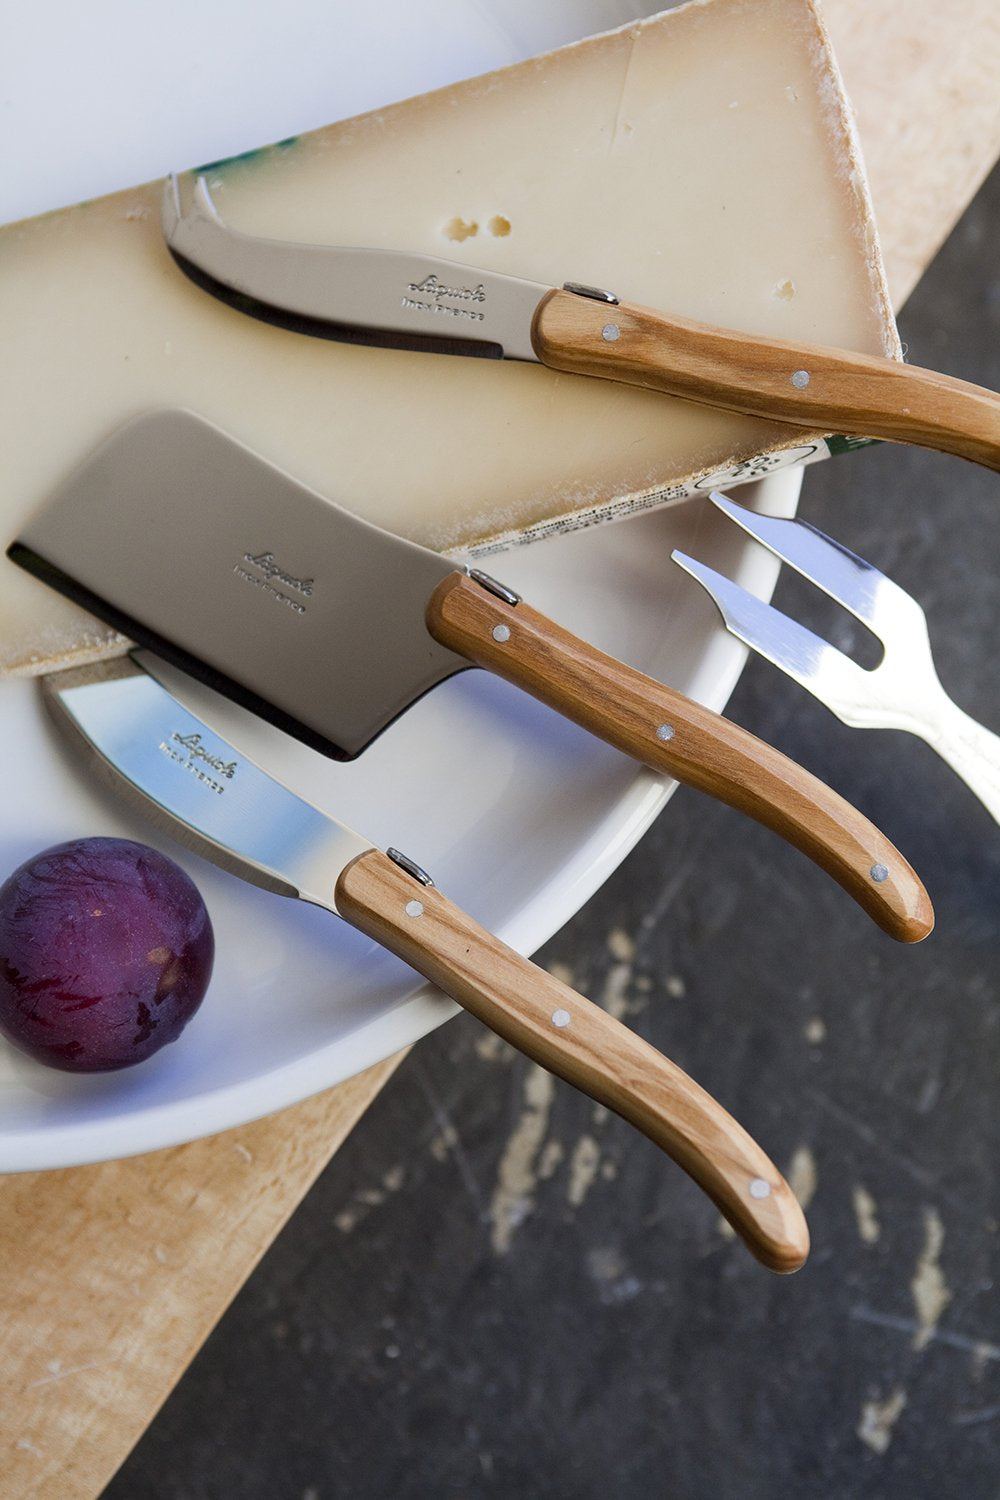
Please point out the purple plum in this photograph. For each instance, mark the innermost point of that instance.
(106, 951)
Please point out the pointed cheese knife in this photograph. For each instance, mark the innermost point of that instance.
(415, 301)
(329, 627)
(202, 790)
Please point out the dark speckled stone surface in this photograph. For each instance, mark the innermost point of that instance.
(496, 1291)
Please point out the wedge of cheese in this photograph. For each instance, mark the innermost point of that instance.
(702, 162)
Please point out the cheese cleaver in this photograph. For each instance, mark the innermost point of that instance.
(329, 627)
(204, 791)
(409, 301)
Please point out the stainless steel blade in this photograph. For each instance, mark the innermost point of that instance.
(196, 786)
(189, 543)
(375, 296)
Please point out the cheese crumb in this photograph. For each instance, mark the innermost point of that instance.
(461, 229)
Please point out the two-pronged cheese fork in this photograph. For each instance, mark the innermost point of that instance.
(902, 692)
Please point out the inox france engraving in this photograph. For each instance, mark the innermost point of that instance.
(267, 577)
(439, 299)
(196, 757)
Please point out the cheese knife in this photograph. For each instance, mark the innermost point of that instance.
(408, 301)
(329, 627)
(202, 790)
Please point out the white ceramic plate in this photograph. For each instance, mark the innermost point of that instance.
(518, 815)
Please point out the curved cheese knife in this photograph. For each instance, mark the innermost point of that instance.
(205, 792)
(329, 627)
(416, 301)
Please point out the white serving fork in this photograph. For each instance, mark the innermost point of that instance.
(902, 692)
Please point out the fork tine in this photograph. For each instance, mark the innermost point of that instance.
(827, 673)
(862, 590)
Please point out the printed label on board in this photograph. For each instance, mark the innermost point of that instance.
(759, 467)
(745, 472)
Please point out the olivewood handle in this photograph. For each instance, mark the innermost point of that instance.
(673, 734)
(582, 1044)
(830, 390)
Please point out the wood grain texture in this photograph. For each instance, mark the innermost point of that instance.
(922, 79)
(582, 1044)
(115, 1274)
(705, 750)
(826, 389)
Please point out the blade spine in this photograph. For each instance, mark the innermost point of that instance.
(323, 245)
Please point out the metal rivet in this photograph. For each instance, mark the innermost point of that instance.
(879, 873)
(800, 379)
(759, 1188)
(501, 633)
(665, 732)
(561, 1018)
(610, 332)
(414, 908)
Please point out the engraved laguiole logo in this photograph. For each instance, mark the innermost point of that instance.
(195, 756)
(432, 287)
(431, 295)
(271, 578)
(193, 745)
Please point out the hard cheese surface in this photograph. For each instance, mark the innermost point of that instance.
(701, 162)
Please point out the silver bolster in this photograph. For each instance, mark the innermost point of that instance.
(493, 586)
(410, 866)
(595, 293)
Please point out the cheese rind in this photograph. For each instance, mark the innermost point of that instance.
(702, 162)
